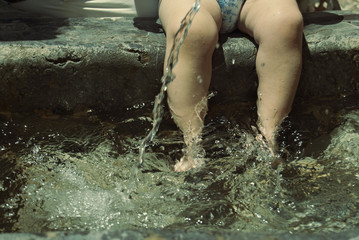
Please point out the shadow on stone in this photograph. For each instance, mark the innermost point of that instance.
(234, 49)
(322, 18)
(20, 29)
(147, 24)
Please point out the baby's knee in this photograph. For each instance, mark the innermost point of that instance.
(202, 35)
(293, 21)
(288, 26)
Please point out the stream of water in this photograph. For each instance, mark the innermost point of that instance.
(168, 76)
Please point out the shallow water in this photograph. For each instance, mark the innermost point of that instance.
(79, 172)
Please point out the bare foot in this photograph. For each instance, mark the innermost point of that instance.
(272, 145)
(184, 165)
(192, 158)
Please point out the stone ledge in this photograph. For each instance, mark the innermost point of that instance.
(178, 234)
(110, 63)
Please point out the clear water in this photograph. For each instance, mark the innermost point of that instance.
(76, 172)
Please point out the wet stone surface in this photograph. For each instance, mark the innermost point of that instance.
(165, 234)
(351, 5)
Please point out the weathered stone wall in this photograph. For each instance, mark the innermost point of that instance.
(352, 5)
(184, 235)
(111, 63)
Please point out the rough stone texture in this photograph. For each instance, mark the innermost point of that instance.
(63, 63)
(352, 5)
(109, 63)
(184, 235)
(318, 5)
(331, 55)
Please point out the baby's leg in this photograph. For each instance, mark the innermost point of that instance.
(187, 93)
(276, 26)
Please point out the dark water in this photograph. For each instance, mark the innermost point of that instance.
(79, 172)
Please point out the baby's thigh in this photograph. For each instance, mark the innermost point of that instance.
(171, 13)
(260, 17)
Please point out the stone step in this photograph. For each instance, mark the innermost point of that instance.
(139, 234)
(111, 63)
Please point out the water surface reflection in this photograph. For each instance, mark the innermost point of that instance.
(80, 172)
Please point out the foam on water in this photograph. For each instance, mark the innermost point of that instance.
(57, 181)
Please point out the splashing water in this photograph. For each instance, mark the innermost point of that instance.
(76, 175)
(169, 76)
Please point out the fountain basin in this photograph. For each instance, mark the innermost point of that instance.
(68, 65)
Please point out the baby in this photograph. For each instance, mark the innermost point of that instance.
(275, 25)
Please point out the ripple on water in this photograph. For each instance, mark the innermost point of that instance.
(79, 175)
